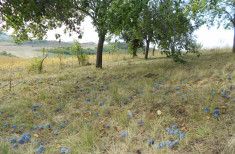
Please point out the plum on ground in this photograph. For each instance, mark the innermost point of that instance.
(168, 142)
(161, 145)
(124, 134)
(129, 115)
(21, 141)
(12, 140)
(28, 135)
(64, 150)
(107, 126)
(27, 139)
(207, 110)
(216, 113)
(150, 142)
(181, 135)
(40, 149)
(168, 129)
(173, 144)
(56, 132)
(58, 109)
(88, 100)
(171, 132)
(140, 121)
(48, 126)
(174, 126)
(123, 102)
(101, 103)
(15, 145)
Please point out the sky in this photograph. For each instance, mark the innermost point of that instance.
(209, 38)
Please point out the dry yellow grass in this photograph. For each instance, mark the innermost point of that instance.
(200, 82)
(6, 63)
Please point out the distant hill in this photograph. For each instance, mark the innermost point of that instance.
(6, 38)
(29, 49)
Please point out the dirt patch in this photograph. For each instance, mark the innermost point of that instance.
(150, 75)
(178, 111)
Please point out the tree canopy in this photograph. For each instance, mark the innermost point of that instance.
(163, 21)
(219, 12)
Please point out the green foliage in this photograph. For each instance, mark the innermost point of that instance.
(175, 31)
(77, 51)
(213, 12)
(60, 55)
(133, 46)
(4, 53)
(115, 47)
(36, 64)
(37, 17)
(220, 12)
(134, 42)
(66, 50)
(165, 23)
(149, 20)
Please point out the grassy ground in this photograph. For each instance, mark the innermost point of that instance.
(185, 91)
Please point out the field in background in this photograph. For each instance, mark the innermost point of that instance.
(32, 49)
(157, 91)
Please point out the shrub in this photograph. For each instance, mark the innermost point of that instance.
(77, 51)
(4, 53)
(36, 65)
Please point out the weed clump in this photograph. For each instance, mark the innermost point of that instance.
(36, 64)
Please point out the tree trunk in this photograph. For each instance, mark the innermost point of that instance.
(234, 39)
(147, 48)
(78, 60)
(234, 31)
(100, 51)
(135, 51)
(172, 51)
(154, 49)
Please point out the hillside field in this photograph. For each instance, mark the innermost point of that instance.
(32, 49)
(132, 105)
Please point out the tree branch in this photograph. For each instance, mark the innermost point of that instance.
(230, 16)
(85, 11)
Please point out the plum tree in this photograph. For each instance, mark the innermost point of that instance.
(214, 12)
(165, 23)
(33, 18)
(175, 31)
